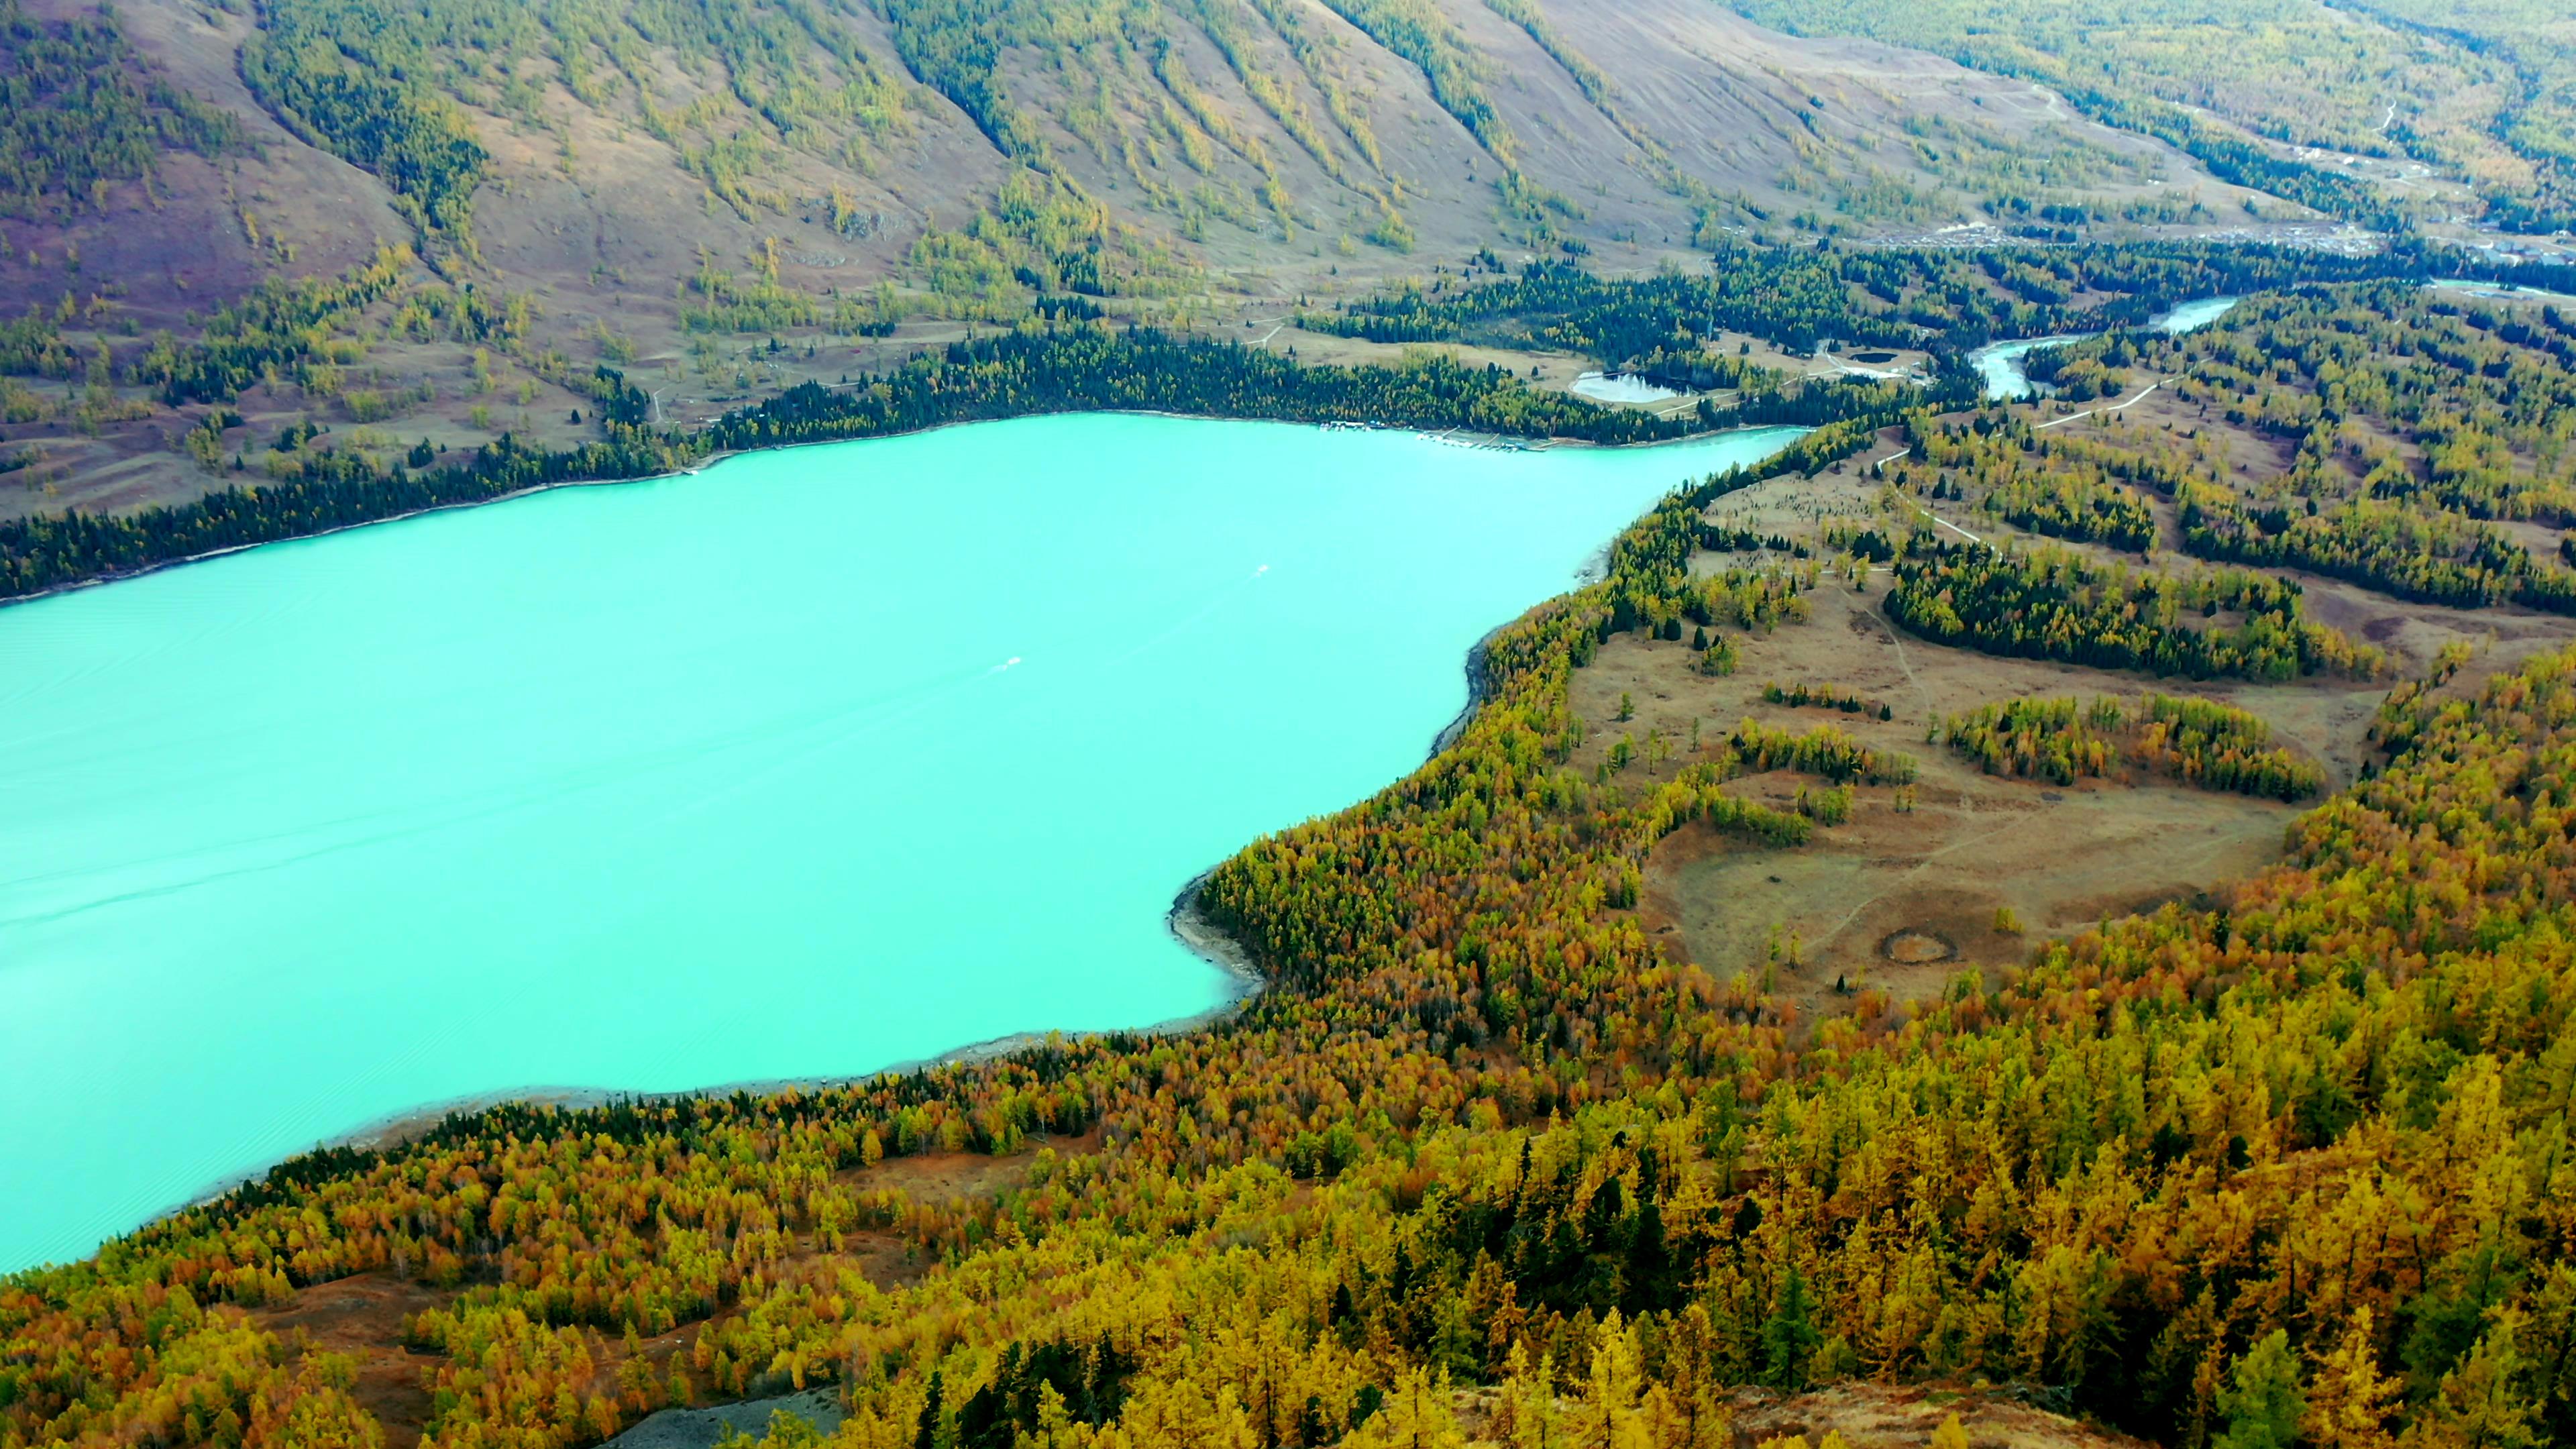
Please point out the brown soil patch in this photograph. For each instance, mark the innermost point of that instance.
(1867, 1415)
(1887, 1416)
(1911, 947)
(362, 1316)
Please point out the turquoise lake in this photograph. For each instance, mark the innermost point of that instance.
(817, 762)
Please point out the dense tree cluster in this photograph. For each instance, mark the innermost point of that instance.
(2029, 482)
(2413, 553)
(2414, 423)
(1652, 587)
(1094, 368)
(1955, 301)
(339, 73)
(330, 490)
(2054, 604)
(1803, 695)
(1718, 538)
(1826, 750)
(2198, 742)
(2218, 746)
(2055, 740)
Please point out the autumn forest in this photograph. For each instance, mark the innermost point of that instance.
(1676, 1058)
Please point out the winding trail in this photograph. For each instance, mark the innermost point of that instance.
(1926, 512)
(1877, 614)
(1957, 844)
(2111, 408)
(2052, 423)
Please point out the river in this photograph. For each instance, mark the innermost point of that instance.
(820, 761)
(2001, 361)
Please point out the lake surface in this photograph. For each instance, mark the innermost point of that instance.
(1625, 387)
(819, 762)
(2001, 362)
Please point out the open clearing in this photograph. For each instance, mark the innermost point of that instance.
(1903, 901)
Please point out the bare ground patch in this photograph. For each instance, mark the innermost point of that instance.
(2060, 858)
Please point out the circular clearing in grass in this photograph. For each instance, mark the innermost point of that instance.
(1911, 947)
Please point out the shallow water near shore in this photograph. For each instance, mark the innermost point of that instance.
(819, 761)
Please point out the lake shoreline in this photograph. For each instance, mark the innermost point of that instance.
(1188, 919)
(1528, 443)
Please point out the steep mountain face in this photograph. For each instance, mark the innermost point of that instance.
(738, 195)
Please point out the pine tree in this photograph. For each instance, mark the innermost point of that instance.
(1529, 1400)
(2262, 1403)
(2482, 1403)
(2350, 1401)
(1790, 1335)
(926, 1433)
(1416, 1416)
(1607, 1414)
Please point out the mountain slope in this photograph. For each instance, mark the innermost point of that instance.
(733, 197)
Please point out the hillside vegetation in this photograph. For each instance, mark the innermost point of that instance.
(2482, 90)
(725, 200)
